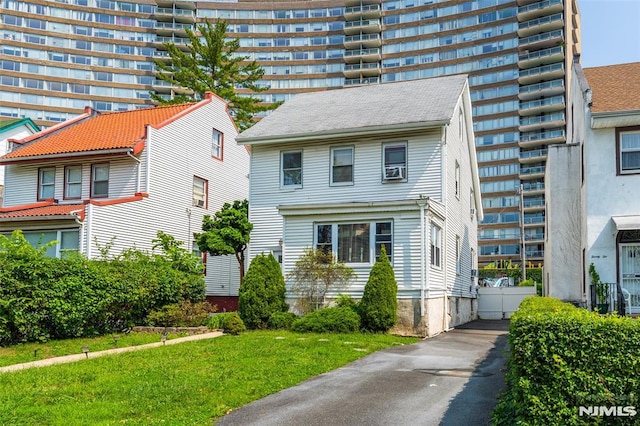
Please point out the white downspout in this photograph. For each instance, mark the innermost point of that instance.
(81, 223)
(422, 202)
(445, 310)
(138, 170)
(148, 171)
(88, 230)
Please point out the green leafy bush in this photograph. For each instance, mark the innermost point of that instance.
(43, 298)
(262, 292)
(232, 323)
(281, 320)
(183, 314)
(378, 307)
(327, 320)
(563, 357)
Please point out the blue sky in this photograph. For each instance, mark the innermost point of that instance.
(610, 32)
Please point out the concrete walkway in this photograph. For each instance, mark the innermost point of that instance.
(79, 357)
(451, 379)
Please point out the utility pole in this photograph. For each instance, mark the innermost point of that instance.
(523, 257)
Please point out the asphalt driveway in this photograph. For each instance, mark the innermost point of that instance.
(450, 379)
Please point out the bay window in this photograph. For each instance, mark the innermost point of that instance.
(355, 242)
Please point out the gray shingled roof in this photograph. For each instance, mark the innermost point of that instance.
(426, 101)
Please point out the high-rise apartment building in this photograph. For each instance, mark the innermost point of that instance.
(58, 56)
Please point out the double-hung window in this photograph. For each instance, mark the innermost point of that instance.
(46, 183)
(72, 182)
(355, 243)
(629, 151)
(342, 165)
(100, 180)
(217, 145)
(199, 192)
(291, 169)
(394, 165)
(436, 246)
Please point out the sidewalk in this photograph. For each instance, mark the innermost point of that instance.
(451, 379)
(79, 357)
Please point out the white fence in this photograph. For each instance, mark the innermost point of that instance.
(501, 302)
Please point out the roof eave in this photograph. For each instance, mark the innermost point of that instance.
(36, 158)
(350, 132)
(607, 119)
(37, 218)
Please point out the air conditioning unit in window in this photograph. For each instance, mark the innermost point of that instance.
(198, 203)
(395, 172)
(473, 212)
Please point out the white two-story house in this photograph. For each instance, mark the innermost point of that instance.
(353, 169)
(14, 128)
(113, 180)
(594, 190)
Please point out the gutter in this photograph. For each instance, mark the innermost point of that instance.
(341, 133)
(35, 158)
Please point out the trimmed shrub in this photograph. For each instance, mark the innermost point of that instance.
(327, 320)
(262, 292)
(379, 305)
(281, 320)
(563, 357)
(183, 314)
(232, 323)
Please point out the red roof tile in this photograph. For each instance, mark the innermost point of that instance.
(46, 211)
(104, 131)
(615, 87)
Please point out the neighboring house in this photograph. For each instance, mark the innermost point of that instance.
(350, 170)
(115, 179)
(603, 168)
(15, 128)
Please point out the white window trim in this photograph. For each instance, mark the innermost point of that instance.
(295, 185)
(93, 180)
(41, 186)
(406, 161)
(437, 244)
(458, 255)
(457, 179)
(217, 144)
(621, 151)
(67, 182)
(372, 239)
(197, 197)
(346, 183)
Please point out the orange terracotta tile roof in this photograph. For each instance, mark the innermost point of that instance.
(104, 131)
(47, 211)
(615, 87)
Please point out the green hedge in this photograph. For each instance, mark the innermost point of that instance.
(43, 298)
(563, 357)
(328, 320)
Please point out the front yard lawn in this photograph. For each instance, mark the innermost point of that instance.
(192, 383)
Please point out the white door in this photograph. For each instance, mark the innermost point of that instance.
(630, 274)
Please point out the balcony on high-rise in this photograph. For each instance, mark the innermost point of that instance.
(168, 28)
(365, 55)
(533, 204)
(533, 187)
(542, 105)
(542, 40)
(543, 73)
(541, 8)
(546, 137)
(362, 40)
(362, 26)
(365, 11)
(541, 57)
(360, 81)
(533, 156)
(537, 90)
(532, 172)
(365, 69)
(179, 15)
(537, 122)
(541, 25)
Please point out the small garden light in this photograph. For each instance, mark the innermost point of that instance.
(35, 354)
(115, 339)
(85, 350)
(163, 339)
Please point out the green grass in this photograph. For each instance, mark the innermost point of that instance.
(192, 383)
(28, 352)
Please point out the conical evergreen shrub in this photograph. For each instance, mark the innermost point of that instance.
(379, 305)
(262, 292)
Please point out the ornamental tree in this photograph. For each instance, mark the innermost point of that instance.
(379, 305)
(227, 232)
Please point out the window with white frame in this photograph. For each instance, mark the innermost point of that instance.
(46, 183)
(199, 192)
(342, 165)
(629, 151)
(435, 242)
(72, 182)
(355, 242)
(67, 241)
(291, 169)
(394, 161)
(217, 144)
(100, 180)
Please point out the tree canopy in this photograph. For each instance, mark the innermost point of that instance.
(210, 64)
(227, 232)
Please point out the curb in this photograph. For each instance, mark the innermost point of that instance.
(89, 355)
